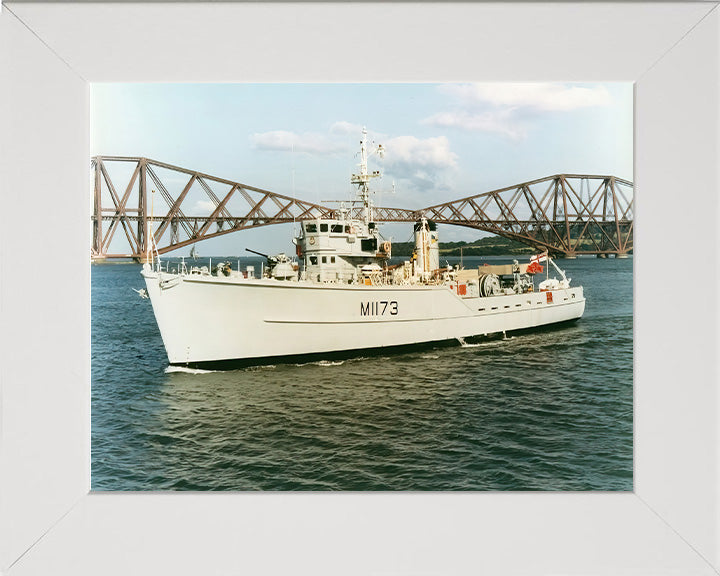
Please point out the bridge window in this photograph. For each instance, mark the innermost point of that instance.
(324, 259)
(336, 228)
(323, 227)
(313, 260)
(347, 229)
(332, 261)
(310, 227)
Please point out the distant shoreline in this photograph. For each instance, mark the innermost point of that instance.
(488, 246)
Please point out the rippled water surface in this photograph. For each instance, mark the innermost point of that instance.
(549, 410)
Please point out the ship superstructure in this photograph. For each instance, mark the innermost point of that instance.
(342, 294)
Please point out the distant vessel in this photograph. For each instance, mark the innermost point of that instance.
(341, 296)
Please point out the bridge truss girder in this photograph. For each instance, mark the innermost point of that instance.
(236, 207)
(564, 214)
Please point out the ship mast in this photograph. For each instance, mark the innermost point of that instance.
(363, 178)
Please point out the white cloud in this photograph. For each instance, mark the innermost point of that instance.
(509, 108)
(497, 121)
(425, 162)
(334, 141)
(430, 152)
(309, 142)
(539, 96)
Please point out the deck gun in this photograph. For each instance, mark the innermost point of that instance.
(280, 266)
(258, 253)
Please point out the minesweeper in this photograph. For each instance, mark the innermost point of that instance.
(341, 296)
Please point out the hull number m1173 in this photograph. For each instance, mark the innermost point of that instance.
(379, 308)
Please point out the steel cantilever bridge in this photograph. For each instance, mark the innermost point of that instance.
(566, 214)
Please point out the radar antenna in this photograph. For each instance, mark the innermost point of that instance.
(362, 179)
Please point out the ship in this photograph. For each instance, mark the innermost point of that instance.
(340, 295)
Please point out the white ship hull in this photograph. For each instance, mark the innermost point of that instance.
(211, 319)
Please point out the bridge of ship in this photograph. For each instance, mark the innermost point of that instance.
(566, 214)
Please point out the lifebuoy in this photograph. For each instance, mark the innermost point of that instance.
(312, 240)
(352, 230)
(386, 247)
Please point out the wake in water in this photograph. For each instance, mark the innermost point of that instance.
(487, 343)
(469, 345)
(465, 344)
(323, 363)
(186, 370)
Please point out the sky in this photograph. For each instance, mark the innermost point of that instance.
(441, 141)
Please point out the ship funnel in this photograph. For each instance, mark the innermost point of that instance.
(426, 248)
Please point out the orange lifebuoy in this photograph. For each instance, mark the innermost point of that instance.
(386, 247)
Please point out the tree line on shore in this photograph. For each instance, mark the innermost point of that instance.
(489, 246)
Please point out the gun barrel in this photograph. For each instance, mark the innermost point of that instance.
(258, 253)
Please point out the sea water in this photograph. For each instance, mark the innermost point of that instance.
(546, 410)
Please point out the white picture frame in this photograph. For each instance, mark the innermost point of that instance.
(50, 523)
